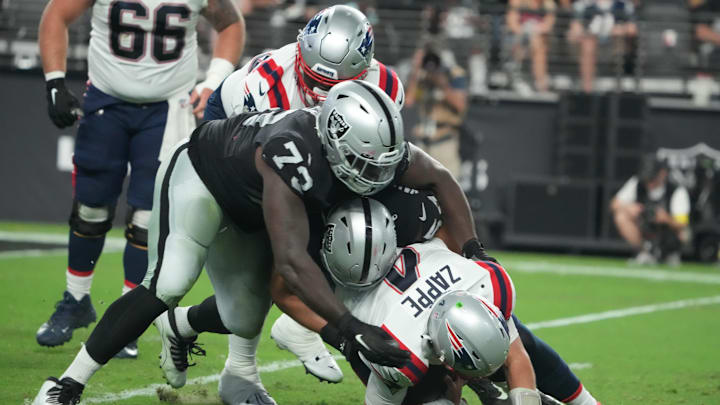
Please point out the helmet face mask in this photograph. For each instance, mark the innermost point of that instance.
(336, 45)
(468, 334)
(359, 243)
(362, 132)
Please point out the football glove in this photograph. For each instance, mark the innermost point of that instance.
(63, 106)
(374, 343)
(474, 250)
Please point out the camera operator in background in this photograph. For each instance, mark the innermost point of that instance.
(652, 214)
(438, 88)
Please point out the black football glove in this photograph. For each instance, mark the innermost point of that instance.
(475, 250)
(373, 342)
(63, 106)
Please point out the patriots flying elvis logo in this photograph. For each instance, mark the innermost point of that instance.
(462, 357)
(249, 101)
(367, 43)
(312, 26)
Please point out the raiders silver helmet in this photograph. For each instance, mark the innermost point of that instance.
(469, 334)
(362, 132)
(336, 45)
(359, 243)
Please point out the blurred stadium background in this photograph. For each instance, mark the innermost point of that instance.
(540, 166)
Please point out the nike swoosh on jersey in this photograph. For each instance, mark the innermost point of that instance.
(423, 216)
(52, 95)
(260, 89)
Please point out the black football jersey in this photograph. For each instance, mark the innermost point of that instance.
(223, 154)
(417, 213)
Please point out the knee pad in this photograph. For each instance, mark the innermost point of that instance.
(91, 222)
(136, 227)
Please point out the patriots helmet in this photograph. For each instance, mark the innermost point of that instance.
(336, 45)
(362, 133)
(468, 334)
(358, 246)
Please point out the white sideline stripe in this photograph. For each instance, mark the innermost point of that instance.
(111, 244)
(580, 366)
(282, 365)
(15, 254)
(50, 238)
(150, 390)
(602, 271)
(625, 312)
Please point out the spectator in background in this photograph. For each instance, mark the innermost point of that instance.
(599, 21)
(706, 18)
(530, 22)
(652, 214)
(438, 88)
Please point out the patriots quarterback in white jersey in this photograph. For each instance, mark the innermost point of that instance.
(142, 69)
(295, 76)
(403, 292)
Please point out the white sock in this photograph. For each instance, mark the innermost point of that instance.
(584, 398)
(183, 323)
(78, 286)
(82, 368)
(241, 358)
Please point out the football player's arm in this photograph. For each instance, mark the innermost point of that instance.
(520, 373)
(424, 172)
(63, 106)
(287, 226)
(230, 25)
(53, 31)
(291, 304)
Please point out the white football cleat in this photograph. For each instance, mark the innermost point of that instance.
(174, 351)
(308, 347)
(234, 390)
(59, 392)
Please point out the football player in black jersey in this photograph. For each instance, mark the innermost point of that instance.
(239, 198)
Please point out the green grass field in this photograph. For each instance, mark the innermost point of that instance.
(644, 352)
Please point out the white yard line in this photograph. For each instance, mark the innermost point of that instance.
(283, 365)
(603, 271)
(151, 390)
(625, 312)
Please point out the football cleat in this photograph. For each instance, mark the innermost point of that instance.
(489, 393)
(128, 352)
(175, 350)
(308, 347)
(69, 315)
(234, 390)
(59, 392)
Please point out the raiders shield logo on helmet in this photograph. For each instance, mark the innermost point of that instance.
(337, 126)
(328, 238)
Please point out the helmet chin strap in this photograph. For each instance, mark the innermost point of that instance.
(429, 352)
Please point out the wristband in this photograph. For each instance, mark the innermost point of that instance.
(217, 72)
(524, 396)
(55, 74)
(332, 336)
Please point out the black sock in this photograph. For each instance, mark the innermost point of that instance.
(206, 317)
(124, 321)
(553, 376)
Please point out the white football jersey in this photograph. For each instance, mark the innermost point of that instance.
(144, 50)
(401, 304)
(269, 81)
